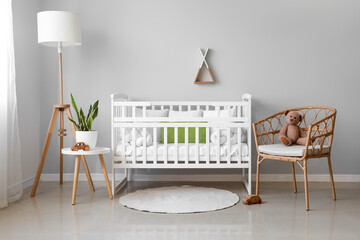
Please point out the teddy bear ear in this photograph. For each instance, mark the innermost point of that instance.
(301, 117)
(286, 113)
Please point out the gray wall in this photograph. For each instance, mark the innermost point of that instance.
(27, 82)
(285, 53)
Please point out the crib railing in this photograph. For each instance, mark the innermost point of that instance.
(125, 119)
(176, 158)
(126, 111)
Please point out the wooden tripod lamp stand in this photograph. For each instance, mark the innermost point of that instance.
(57, 29)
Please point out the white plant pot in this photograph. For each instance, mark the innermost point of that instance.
(88, 137)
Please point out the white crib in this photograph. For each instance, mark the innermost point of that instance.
(220, 121)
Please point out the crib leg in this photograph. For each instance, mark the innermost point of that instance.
(249, 181)
(126, 174)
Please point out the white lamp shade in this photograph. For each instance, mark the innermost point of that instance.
(58, 26)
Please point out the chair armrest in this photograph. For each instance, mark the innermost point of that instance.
(266, 129)
(319, 134)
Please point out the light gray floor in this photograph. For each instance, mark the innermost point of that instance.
(282, 215)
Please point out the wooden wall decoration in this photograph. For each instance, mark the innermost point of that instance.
(203, 55)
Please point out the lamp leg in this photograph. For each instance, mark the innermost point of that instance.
(45, 149)
(60, 73)
(61, 160)
(61, 134)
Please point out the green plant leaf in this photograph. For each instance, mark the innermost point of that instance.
(95, 113)
(96, 104)
(73, 103)
(90, 120)
(84, 123)
(90, 110)
(73, 121)
(83, 120)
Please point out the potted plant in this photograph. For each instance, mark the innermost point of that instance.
(84, 132)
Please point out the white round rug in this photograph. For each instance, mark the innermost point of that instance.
(179, 199)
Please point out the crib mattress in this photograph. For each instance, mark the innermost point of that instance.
(235, 150)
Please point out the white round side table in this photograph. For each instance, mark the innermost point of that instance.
(96, 151)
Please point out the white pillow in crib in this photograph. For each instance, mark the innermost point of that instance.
(180, 114)
(224, 137)
(223, 113)
(152, 113)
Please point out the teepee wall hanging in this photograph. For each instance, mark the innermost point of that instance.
(203, 55)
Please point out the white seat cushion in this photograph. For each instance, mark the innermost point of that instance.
(293, 150)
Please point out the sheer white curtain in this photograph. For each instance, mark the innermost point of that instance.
(10, 162)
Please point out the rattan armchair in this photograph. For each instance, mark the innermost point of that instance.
(318, 123)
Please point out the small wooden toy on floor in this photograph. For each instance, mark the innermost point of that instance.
(80, 146)
(252, 199)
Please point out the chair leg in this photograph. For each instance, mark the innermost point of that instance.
(331, 179)
(306, 185)
(257, 175)
(294, 177)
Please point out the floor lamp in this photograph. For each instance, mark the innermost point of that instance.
(58, 29)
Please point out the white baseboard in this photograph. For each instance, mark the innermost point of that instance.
(201, 177)
(28, 182)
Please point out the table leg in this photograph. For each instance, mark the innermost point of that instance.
(87, 172)
(76, 176)
(105, 175)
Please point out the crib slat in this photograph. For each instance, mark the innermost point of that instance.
(166, 145)
(186, 145)
(218, 152)
(176, 140)
(239, 144)
(144, 111)
(133, 145)
(197, 154)
(144, 145)
(207, 145)
(133, 113)
(123, 111)
(123, 147)
(155, 145)
(228, 156)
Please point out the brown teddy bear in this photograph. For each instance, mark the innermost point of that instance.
(291, 133)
